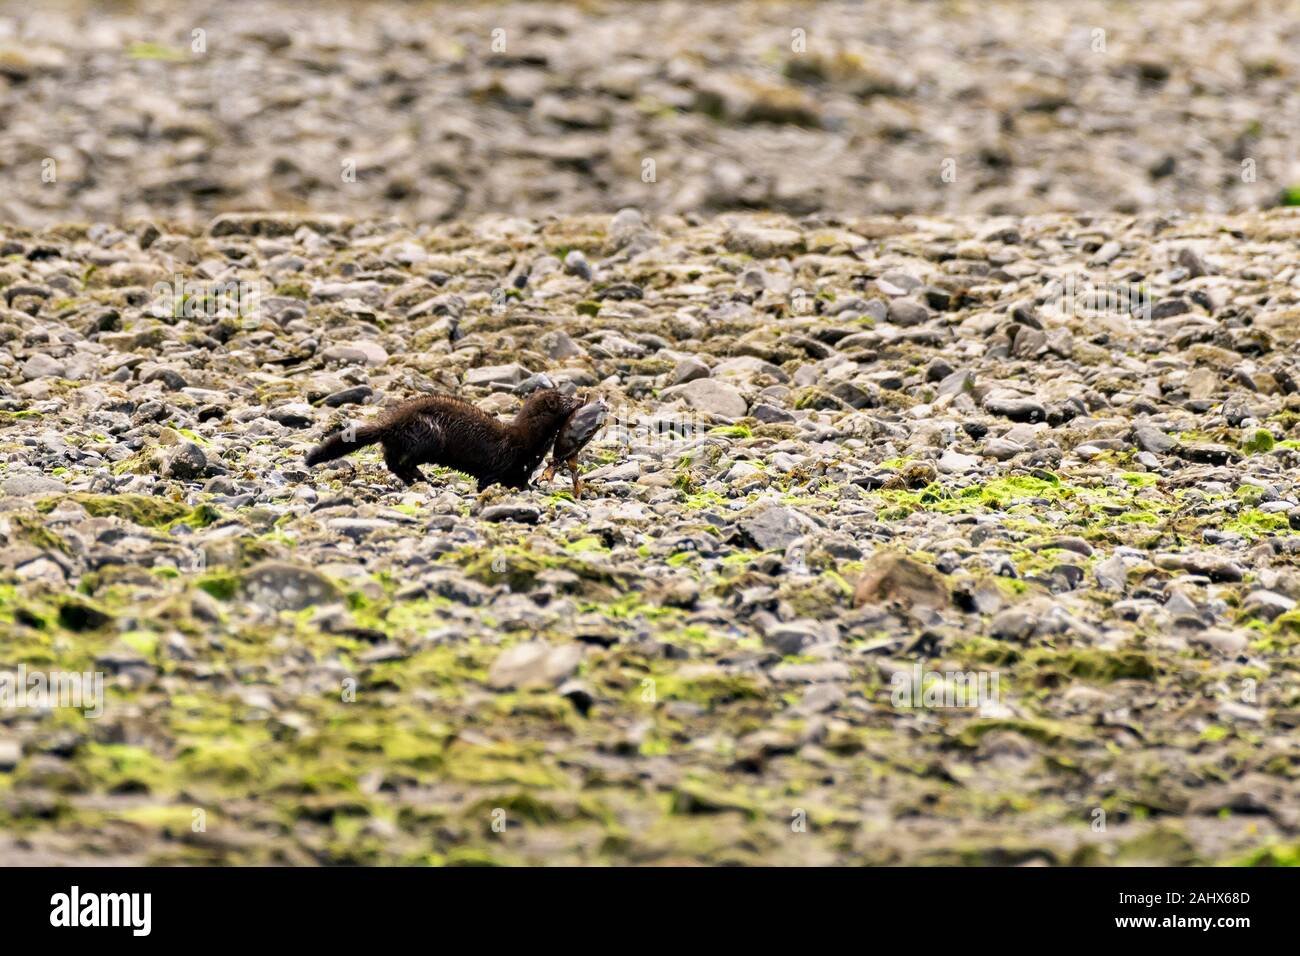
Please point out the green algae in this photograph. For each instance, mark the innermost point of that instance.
(501, 763)
(518, 568)
(123, 768)
(693, 797)
(37, 534)
(1254, 523)
(1088, 663)
(1259, 443)
(142, 510)
(1280, 854)
(148, 50)
(1049, 732)
(221, 585)
(732, 431)
(709, 690)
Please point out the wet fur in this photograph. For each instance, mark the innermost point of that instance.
(441, 430)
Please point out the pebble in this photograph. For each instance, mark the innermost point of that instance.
(534, 664)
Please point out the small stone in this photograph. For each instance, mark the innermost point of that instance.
(293, 415)
(626, 225)
(383, 653)
(560, 345)
(763, 243)
(579, 694)
(280, 586)
(11, 752)
(1194, 264)
(710, 396)
(1168, 308)
(907, 313)
(1107, 254)
(360, 353)
(1213, 566)
(688, 370)
(891, 578)
(19, 485)
(741, 470)
(1266, 605)
(954, 463)
(575, 263)
(1228, 643)
(186, 463)
(521, 513)
(1002, 448)
(1016, 409)
(937, 369)
(1231, 710)
(356, 395)
(790, 638)
(770, 414)
(358, 529)
(897, 283)
(812, 673)
(775, 527)
(1068, 543)
(170, 377)
(40, 366)
(820, 699)
(1013, 625)
(533, 383)
(1111, 574)
(956, 382)
(534, 664)
(508, 375)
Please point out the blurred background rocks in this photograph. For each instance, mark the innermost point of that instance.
(432, 112)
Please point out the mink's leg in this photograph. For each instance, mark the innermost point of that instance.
(393, 459)
(548, 474)
(400, 464)
(411, 474)
(423, 442)
(417, 441)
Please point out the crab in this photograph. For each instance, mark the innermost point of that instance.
(575, 434)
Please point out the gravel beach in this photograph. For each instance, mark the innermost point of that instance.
(936, 519)
(842, 458)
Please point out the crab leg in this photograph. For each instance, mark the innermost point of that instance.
(572, 464)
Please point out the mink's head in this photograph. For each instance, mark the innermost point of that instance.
(544, 413)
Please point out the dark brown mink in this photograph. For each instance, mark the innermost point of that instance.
(441, 430)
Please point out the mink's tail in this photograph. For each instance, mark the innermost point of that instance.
(344, 443)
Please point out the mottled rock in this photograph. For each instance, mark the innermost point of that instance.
(279, 586)
(186, 463)
(510, 375)
(774, 527)
(896, 579)
(711, 397)
(20, 485)
(534, 664)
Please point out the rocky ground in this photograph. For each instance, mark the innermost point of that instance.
(843, 450)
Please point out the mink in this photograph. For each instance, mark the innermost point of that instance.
(441, 430)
